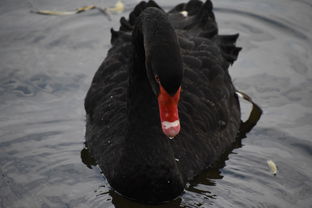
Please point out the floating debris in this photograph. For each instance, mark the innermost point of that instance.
(60, 13)
(272, 167)
(48, 12)
(118, 8)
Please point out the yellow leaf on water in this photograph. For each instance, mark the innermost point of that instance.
(119, 7)
(49, 12)
(85, 8)
(272, 167)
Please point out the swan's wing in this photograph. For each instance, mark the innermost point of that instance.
(109, 84)
(196, 19)
(209, 105)
(106, 105)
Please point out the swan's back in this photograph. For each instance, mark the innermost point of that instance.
(209, 109)
(209, 105)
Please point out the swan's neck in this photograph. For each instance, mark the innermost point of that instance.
(156, 53)
(157, 49)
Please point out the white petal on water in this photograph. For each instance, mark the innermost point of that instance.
(272, 166)
(119, 7)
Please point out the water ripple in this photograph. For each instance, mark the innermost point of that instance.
(269, 21)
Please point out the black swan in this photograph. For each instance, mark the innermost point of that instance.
(162, 106)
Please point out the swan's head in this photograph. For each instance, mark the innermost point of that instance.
(164, 71)
(156, 40)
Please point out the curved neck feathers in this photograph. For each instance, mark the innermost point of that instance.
(156, 52)
(157, 47)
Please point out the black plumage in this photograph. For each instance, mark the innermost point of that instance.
(123, 131)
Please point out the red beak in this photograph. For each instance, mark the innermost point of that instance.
(168, 110)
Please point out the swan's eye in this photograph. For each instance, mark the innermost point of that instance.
(157, 79)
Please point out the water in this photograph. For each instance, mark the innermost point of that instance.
(47, 63)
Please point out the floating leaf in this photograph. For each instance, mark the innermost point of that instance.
(49, 12)
(272, 167)
(85, 8)
(119, 7)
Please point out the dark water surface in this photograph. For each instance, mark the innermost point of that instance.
(47, 63)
